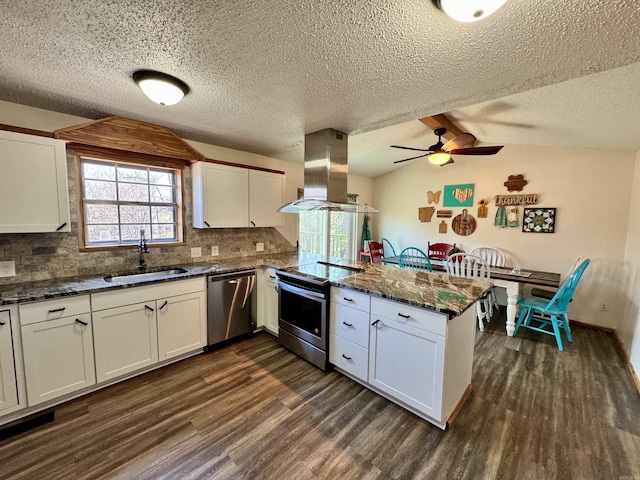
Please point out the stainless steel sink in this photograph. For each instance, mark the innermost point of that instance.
(133, 276)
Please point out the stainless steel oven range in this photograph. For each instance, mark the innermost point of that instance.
(303, 306)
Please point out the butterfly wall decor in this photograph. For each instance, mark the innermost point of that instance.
(433, 197)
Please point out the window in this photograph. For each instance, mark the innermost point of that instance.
(328, 233)
(121, 199)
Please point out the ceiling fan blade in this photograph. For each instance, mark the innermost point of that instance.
(476, 150)
(411, 148)
(460, 141)
(412, 158)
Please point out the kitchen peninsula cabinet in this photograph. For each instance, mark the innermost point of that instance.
(57, 344)
(138, 327)
(8, 378)
(29, 164)
(226, 196)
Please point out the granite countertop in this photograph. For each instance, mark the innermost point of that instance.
(60, 287)
(432, 291)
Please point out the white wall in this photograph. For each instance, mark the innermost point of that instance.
(591, 190)
(629, 328)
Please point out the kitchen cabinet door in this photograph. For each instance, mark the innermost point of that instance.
(408, 364)
(220, 196)
(126, 339)
(266, 193)
(8, 383)
(58, 357)
(31, 164)
(182, 324)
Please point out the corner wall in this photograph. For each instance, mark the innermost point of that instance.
(590, 189)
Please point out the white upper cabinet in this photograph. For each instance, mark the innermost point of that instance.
(34, 196)
(225, 196)
(266, 195)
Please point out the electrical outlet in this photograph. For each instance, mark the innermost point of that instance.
(604, 307)
(260, 247)
(215, 251)
(8, 269)
(196, 252)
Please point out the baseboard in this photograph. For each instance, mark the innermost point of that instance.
(632, 371)
(592, 326)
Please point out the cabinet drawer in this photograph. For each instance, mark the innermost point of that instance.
(348, 356)
(350, 324)
(351, 298)
(416, 317)
(54, 309)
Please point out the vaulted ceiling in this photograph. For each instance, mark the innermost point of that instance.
(262, 74)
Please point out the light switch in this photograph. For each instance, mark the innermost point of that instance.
(260, 247)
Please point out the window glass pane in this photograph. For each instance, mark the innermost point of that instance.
(161, 177)
(99, 171)
(163, 232)
(131, 192)
(135, 214)
(312, 232)
(134, 175)
(161, 194)
(131, 233)
(163, 215)
(97, 190)
(103, 233)
(339, 237)
(96, 213)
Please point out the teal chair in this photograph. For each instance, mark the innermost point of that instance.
(551, 313)
(387, 248)
(415, 259)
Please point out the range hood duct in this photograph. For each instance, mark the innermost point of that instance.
(325, 175)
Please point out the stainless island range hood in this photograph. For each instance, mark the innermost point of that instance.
(325, 175)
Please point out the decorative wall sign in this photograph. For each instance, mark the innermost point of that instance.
(442, 228)
(539, 220)
(433, 197)
(425, 213)
(528, 199)
(444, 214)
(515, 183)
(458, 195)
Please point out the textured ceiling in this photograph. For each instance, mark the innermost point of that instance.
(262, 74)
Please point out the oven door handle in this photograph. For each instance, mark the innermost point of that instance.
(301, 291)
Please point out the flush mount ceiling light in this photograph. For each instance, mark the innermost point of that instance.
(160, 87)
(469, 10)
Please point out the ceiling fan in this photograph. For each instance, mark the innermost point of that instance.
(440, 153)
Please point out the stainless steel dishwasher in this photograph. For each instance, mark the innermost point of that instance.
(229, 305)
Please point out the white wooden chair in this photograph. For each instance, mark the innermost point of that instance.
(472, 266)
(494, 257)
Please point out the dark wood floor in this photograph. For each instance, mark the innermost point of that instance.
(252, 410)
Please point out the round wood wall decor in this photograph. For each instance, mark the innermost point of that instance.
(464, 224)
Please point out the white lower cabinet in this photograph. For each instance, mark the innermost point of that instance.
(408, 364)
(268, 300)
(57, 348)
(138, 327)
(181, 324)
(126, 339)
(415, 357)
(8, 380)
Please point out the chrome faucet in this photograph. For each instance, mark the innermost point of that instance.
(142, 249)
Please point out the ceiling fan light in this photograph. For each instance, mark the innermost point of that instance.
(469, 10)
(160, 87)
(439, 158)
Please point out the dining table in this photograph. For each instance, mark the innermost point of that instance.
(509, 278)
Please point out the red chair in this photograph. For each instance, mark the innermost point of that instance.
(439, 251)
(376, 251)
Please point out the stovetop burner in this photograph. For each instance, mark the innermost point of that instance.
(320, 273)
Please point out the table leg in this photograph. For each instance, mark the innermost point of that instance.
(513, 291)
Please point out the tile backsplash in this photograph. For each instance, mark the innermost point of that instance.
(41, 256)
